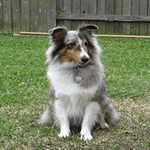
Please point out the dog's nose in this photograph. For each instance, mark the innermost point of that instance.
(84, 59)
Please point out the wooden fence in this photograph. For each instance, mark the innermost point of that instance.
(111, 16)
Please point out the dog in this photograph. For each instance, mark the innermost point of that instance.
(77, 88)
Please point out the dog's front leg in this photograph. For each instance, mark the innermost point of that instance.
(91, 113)
(61, 119)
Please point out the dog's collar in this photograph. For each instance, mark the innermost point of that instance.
(80, 66)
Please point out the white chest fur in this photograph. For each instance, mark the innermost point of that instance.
(64, 83)
(77, 97)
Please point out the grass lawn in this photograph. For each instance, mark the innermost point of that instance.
(24, 95)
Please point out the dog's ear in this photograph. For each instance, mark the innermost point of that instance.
(87, 28)
(57, 34)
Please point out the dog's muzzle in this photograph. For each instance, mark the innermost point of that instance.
(84, 59)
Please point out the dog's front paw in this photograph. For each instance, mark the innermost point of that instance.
(63, 134)
(86, 135)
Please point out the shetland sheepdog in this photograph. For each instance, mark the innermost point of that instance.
(78, 93)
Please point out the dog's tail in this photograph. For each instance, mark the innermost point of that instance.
(46, 117)
(112, 116)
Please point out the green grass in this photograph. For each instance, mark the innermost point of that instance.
(127, 67)
(24, 88)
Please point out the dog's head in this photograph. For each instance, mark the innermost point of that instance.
(73, 46)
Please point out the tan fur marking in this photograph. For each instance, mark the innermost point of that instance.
(75, 41)
(85, 41)
(104, 109)
(90, 52)
(73, 55)
(69, 55)
(89, 31)
(63, 56)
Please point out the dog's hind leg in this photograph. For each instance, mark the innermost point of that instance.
(110, 114)
(102, 121)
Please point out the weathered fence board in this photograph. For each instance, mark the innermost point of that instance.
(34, 15)
(111, 16)
(84, 9)
(1, 16)
(101, 11)
(51, 14)
(67, 10)
(42, 15)
(59, 4)
(118, 11)
(7, 16)
(109, 11)
(76, 10)
(126, 12)
(143, 12)
(25, 15)
(16, 5)
(135, 11)
(76, 7)
(93, 11)
(60, 10)
(118, 7)
(148, 15)
(109, 7)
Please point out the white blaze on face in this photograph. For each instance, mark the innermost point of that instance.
(83, 53)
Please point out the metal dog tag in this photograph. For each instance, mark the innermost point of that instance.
(78, 79)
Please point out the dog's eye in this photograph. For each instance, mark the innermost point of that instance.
(71, 45)
(86, 43)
